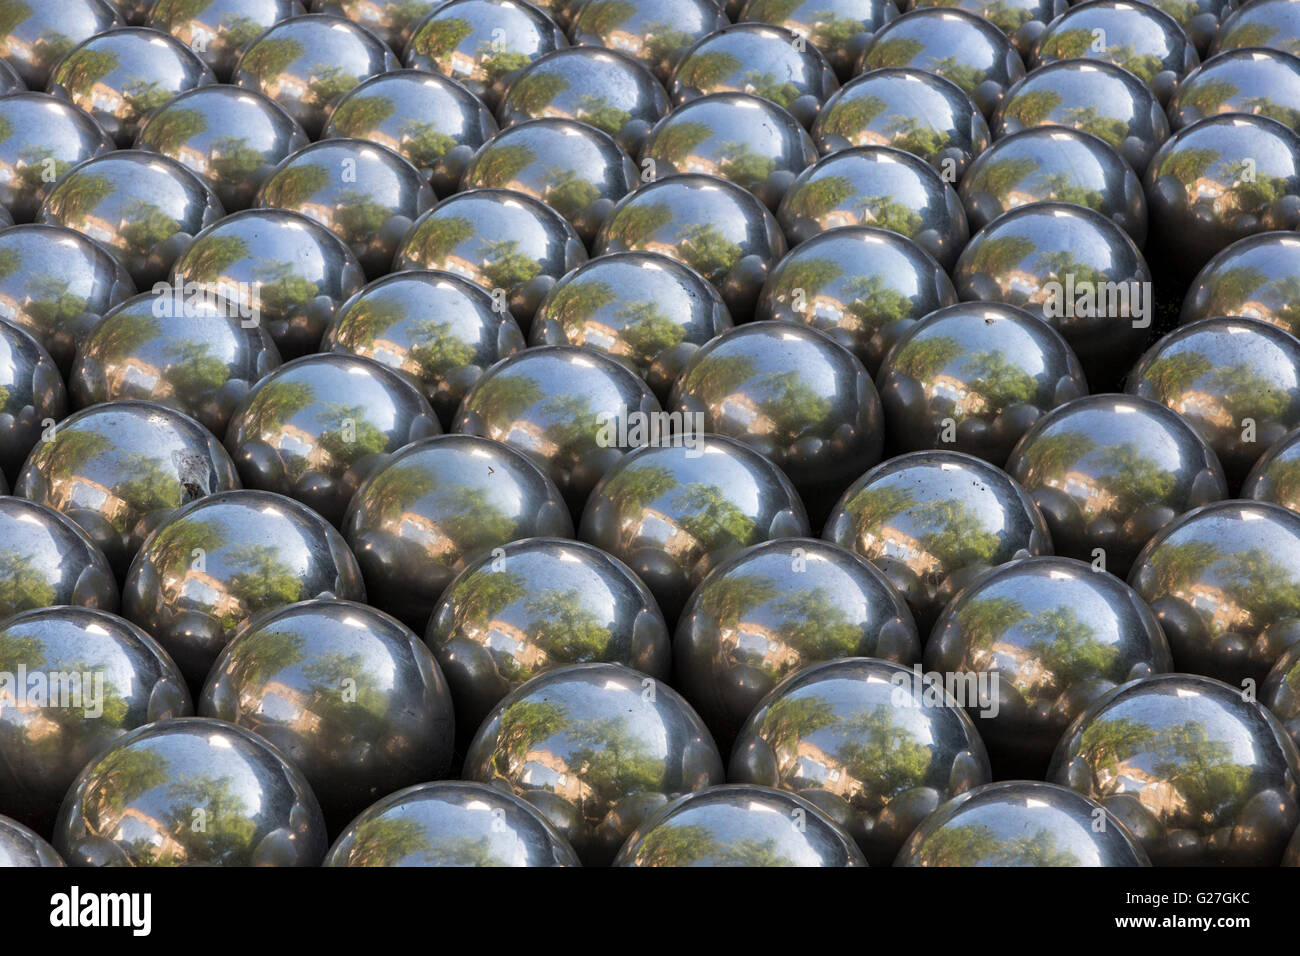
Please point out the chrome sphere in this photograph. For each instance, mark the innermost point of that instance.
(597, 748)
(1225, 582)
(674, 512)
(867, 742)
(598, 87)
(1236, 381)
(142, 207)
(766, 61)
(1091, 96)
(1257, 277)
(1281, 695)
(288, 271)
(1049, 635)
(877, 186)
(574, 412)
(438, 328)
(393, 21)
(738, 137)
(437, 505)
(1200, 19)
(643, 309)
(1276, 476)
(739, 825)
(41, 138)
(1109, 471)
(1021, 823)
(35, 36)
(1074, 269)
(860, 285)
(775, 609)
(21, 847)
(718, 229)
(137, 803)
(1197, 773)
(315, 428)
(1139, 37)
(839, 29)
(32, 396)
(230, 138)
(794, 395)
(365, 194)
(199, 357)
(47, 560)
(121, 76)
(578, 171)
(656, 33)
(958, 46)
(81, 680)
(451, 823)
(219, 561)
(918, 112)
(120, 469)
(1262, 82)
(1023, 21)
(482, 44)
(1274, 24)
(219, 30)
(933, 521)
(1054, 164)
(535, 605)
(308, 63)
(434, 123)
(348, 694)
(1218, 181)
(973, 378)
(512, 245)
(10, 81)
(1292, 855)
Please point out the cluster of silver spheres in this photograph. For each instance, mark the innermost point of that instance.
(649, 432)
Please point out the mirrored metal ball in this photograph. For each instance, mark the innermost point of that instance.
(41, 139)
(1280, 693)
(393, 21)
(656, 33)
(839, 29)
(1274, 24)
(219, 30)
(47, 560)
(1199, 19)
(1275, 476)
(32, 396)
(1023, 21)
(10, 81)
(35, 36)
(1257, 277)
(20, 846)
(1262, 82)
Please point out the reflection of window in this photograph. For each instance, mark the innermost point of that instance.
(562, 779)
(834, 776)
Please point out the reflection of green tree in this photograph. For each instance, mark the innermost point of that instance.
(851, 115)
(949, 529)
(1061, 186)
(359, 115)
(1248, 34)
(1069, 648)
(22, 586)
(708, 250)
(146, 224)
(505, 266)
(275, 403)
(293, 186)
(806, 273)
(882, 754)
(473, 519)
(268, 57)
(894, 51)
(504, 397)
(909, 135)
(1134, 475)
(705, 70)
(1032, 108)
(713, 520)
(1053, 455)
(150, 487)
(602, 16)
(329, 82)
(384, 841)
(996, 256)
(613, 760)
(874, 303)
(423, 143)
(816, 626)
(79, 194)
(819, 196)
(921, 358)
(971, 844)
(1284, 476)
(264, 579)
(567, 192)
(886, 212)
(599, 112)
(1091, 120)
(498, 164)
(663, 41)
(349, 436)
(526, 723)
(637, 487)
(1067, 44)
(635, 223)
(1208, 95)
(170, 129)
(438, 37)
(951, 68)
(145, 97)
(1002, 175)
(565, 629)
(677, 139)
(769, 87)
(669, 845)
(437, 237)
(535, 91)
(1187, 165)
(744, 165)
(726, 598)
(648, 331)
(1002, 382)
(82, 69)
(122, 776)
(359, 216)
(228, 822)
(498, 63)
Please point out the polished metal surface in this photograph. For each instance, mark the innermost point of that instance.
(393, 21)
(32, 396)
(1275, 476)
(10, 81)
(23, 847)
(1200, 775)
(41, 139)
(1262, 82)
(597, 748)
(219, 561)
(868, 743)
(1280, 693)
(219, 30)
(47, 560)
(656, 33)
(35, 36)
(1023, 21)
(1200, 19)
(839, 29)
(194, 792)
(1257, 277)
(1274, 24)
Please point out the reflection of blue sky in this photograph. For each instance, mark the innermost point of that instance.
(853, 696)
(1070, 832)
(544, 575)
(1018, 347)
(1233, 531)
(721, 467)
(617, 699)
(949, 480)
(1186, 705)
(1046, 595)
(754, 822)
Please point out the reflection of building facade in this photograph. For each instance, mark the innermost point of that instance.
(892, 542)
(546, 770)
(198, 588)
(758, 645)
(654, 525)
(810, 764)
(957, 392)
(75, 491)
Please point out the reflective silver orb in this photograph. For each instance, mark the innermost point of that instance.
(35, 36)
(1021, 823)
(142, 207)
(1109, 471)
(1054, 164)
(137, 803)
(643, 309)
(451, 823)
(860, 285)
(437, 505)
(219, 561)
(41, 138)
(1091, 96)
(21, 847)
(868, 742)
(393, 21)
(839, 29)
(1262, 82)
(535, 605)
(1200, 19)
(1276, 476)
(674, 512)
(918, 112)
(877, 186)
(79, 679)
(597, 748)
(307, 64)
(1048, 636)
(365, 194)
(656, 33)
(1274, 24)
(718, 229)
(1257, 277)
(1200, 775)
(933, 521)
(10, 81)
(120, 469)
(1280, 693)
(598, 87)
(32, 396)
(739, 825)
(510, 244)
(1023, 21)
(230, 138)
(219, 30)
(973, 378)
(286, 271)
(775, 609)
(438, 328)
(47, 560)
(432, 122)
